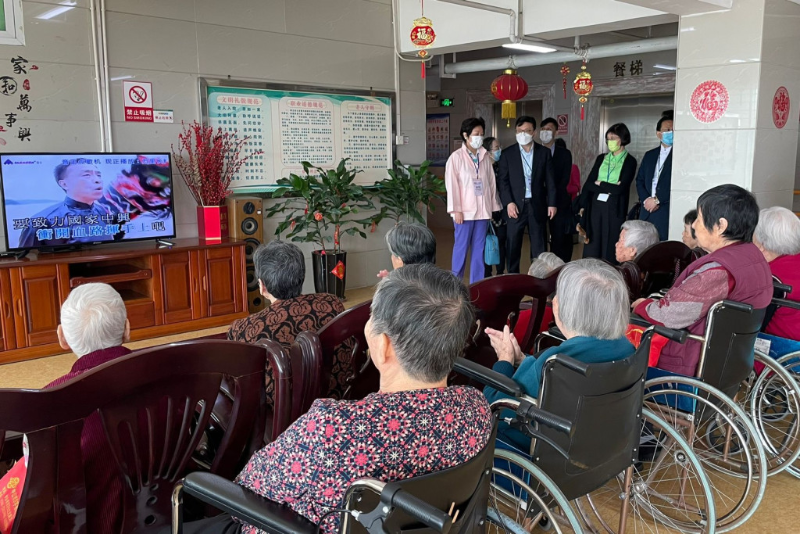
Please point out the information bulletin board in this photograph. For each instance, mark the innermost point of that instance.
(438, 139)
(290, 127)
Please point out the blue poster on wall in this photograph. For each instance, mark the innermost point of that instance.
(290, 127)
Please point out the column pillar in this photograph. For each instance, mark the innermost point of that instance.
(737, 103)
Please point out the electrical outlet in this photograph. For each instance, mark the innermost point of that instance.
(401, 140)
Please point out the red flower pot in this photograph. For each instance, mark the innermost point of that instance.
(212, 222)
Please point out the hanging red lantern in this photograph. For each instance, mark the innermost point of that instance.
(422, 35)
(509, 87)
(564, 74)
(583, 86)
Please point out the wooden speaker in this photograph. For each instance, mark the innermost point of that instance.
(246, 222)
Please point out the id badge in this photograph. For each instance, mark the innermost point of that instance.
(603, 197)
(478, 185)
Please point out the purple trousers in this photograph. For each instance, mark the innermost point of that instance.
(470, 235)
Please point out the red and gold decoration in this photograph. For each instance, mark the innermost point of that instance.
(509, 87)
(338, 271)
(422, 36)
(583, 86)
(564, 74)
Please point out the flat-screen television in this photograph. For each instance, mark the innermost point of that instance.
(64, 200)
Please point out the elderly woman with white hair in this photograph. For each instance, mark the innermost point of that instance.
(635, 238)
(94, 325)
(777, 236)
(591, 310)
(410, 243)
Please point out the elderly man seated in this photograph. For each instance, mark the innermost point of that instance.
(94, 324)
(544, 264)
(416, 424)
(410, 243)
(635, 238)
(734, 269)
(590, 309)
(777, 236)
(281, 271)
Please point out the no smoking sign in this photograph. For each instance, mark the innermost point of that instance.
(138, 101)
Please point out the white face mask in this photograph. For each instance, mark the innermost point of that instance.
(524, 138)
(476, 141)
(546, 136)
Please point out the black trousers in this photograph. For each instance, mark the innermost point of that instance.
(560, 242)
(516, 233)
(502, 238)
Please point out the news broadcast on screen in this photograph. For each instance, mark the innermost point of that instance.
(58, 200)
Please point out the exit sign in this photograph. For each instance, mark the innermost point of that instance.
(446, 102)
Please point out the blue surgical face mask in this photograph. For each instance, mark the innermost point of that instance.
(666, 138)
(496, 154)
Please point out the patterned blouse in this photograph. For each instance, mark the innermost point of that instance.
(284, 320)
(388, 436)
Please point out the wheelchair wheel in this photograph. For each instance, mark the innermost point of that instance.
(523, 498)
(723, 438)
(791, 362)
(771, 400)
(666, 487)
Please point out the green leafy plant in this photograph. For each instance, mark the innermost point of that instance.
(406, 192)
(320, 206)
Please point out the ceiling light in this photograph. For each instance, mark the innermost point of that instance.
(118, 78)
(530, 47)
(47, 15)
(664, 67)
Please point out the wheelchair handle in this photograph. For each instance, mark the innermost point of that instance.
(572, 364)
(679, 336)
(782, 287)
(431, 516)
(785, 303)
(739, 306)
(549, 419)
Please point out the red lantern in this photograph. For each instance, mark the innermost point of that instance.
(509, 87)
(583, 86)
(422, 35)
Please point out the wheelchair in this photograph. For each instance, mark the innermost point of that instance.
(612, 484)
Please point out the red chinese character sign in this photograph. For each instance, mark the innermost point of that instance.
(583, 86)
(709, 101)
(422, 37)
(138, 101)
(781, 105)
(509, 87)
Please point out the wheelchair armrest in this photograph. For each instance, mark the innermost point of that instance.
(785, 303)
(739, 306)
(488, 377)
(785, 288)
(679, 336)
(243, 504)
(570, 363)
(638, 320)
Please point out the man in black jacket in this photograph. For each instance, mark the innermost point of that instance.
(562, 224)
(527, 191)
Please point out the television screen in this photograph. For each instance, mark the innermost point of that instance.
(56, 200)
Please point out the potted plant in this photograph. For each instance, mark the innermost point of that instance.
(406, 192)
(320, 208)
(208, 160)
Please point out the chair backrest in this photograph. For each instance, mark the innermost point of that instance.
(466, 486)
(661, 265)
(497, 302)
(727, 356)
(344, 333)
(633, 279)
(149, 409)
(605, 407)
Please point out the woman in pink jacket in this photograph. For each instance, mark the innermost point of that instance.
(471, 198)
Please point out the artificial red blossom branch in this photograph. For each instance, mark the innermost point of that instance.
(211, 160)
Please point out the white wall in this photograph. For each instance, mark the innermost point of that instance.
(335, 43)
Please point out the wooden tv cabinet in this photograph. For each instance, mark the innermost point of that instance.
(167, 290)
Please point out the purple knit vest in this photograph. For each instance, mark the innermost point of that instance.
(752, 285)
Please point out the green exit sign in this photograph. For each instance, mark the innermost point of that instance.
(446, 102)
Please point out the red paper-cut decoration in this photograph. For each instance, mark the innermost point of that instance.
(709, 101)
(338, 271)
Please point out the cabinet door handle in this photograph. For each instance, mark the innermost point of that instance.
(19, 307)
(195, 285)
(205, 284)
(7, 309)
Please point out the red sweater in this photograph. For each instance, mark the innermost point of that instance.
(103, 482)
(786, 321)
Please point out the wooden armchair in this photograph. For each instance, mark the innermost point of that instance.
(661, 265)
(151, 408)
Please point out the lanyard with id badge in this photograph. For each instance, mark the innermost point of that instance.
(603, 197)
(477, 183)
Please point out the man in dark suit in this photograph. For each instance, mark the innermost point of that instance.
(527, 191)
(654, 181)
(562, 225)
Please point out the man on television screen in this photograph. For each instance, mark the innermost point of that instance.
(78, 218)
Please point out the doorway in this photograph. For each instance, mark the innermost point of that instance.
(507, 135)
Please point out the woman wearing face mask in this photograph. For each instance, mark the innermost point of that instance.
(654, 181)
(603, 202)
(492, 145)
(471, 198)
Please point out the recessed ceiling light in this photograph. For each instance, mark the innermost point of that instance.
(47, 15)
(530, 47)
(664, 67)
